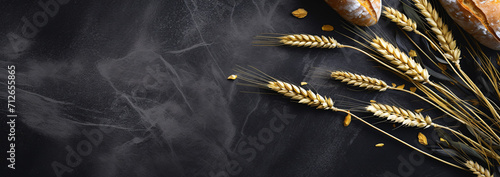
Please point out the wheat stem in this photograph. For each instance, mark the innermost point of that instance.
(428, 101)
(466, 117)
(476, 144)
(401, 141)
(413, 119)
(479, 93)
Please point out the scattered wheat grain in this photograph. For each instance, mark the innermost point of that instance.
(347, 119)
(299, 13)
(422, 139)
(412, 53)
(232, 77)
(327, 28)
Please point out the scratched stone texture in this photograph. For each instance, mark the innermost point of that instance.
(138, 88)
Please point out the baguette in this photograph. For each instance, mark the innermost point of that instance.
(359, 12)
(480, 18)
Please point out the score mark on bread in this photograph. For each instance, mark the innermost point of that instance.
(359, 12)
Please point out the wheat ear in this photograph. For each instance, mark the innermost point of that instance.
(440, 29)
(311, 41)
(400, 19)
(402, 61)
(302, 95)
(360, 80)
(400, 115)
(477, 169)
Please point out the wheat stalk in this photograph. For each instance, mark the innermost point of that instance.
(360, 80)
(304, 96)
(477, 169)
(311, 41)
(402, 61)
(400, 19)
(400, 115)
(440, 29)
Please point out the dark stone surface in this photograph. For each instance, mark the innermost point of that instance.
(143, 84)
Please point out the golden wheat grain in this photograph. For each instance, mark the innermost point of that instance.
(399, 115)
(440, 29)
(360, 80)
(412, 53)
(232, 77)
(477, 169)
(402, 61)
(327, 28)
(307, 40)
(347, 119)
(302, 95)
(422, 139)
(299, 13)
(400, 19)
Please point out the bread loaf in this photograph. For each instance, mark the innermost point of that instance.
(480, 18)
(359, 12)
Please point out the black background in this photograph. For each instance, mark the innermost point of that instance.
(154, 73)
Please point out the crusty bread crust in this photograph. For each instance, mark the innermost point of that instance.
(480, 18)
(359, 12)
